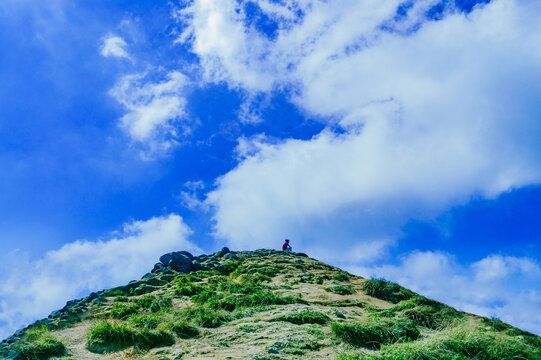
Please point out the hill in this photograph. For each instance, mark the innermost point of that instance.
(263, 304)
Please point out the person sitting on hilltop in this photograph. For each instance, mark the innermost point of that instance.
(286, 246)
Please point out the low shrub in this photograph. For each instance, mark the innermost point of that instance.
(185, 330)
(188, 289)
(305, 317)
(386, 290)
(160, 304)
(39, 343)
(145, 301)
(205, 317)
(341, 277)
(107, 337)
(374, 334)
(495, 324)
(456, 345)
(340, 290)
(121, 310)
(145, 321)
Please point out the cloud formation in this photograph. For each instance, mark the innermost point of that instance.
(155, 114)
(430, 113)
(506, 287)
(32, 288)
(114, 46)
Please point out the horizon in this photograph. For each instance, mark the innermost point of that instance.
(394, 139)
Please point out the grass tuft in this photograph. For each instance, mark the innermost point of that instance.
(185, 330)
(305, 317)
(340, 289)
(387, 291)
(109, 336)
(376, 333)
(39, 343)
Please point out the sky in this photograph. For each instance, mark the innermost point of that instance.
(394, 139)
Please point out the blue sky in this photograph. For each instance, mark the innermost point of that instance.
(391, 138)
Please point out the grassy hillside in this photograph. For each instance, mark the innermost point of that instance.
(265, 305)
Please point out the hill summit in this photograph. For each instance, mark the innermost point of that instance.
(263, 304)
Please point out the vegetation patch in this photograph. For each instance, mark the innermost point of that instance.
(109, 336)
(145, 321)
(184, 330)
(206, 317)
(228, 295)
(121, 310)
(305, 317)
(39, 343)
(457, 345)
(373, 334)
(340, 289)
(386, 290)
(343, 276)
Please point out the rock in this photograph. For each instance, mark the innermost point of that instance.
(55, 314)
(96, 301)
(165, 258)
(158, 267)
(126, 288)
(148, 276)
(180, 262)
(196, 265)
(92, 296)
(201, 258)
(302, 255)
(144, 289)
(225, 250)
(186, 253)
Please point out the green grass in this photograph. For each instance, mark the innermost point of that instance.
(110, 336)
(343, 276)
(373, 334)
(456, 345)
(146, 321)
(205, 317)
(386, 290)
(121, 310)
(427, 313)
(305, 317)
(39, 343)
(188, 289)
(223, 294)
(340, 289)
(495, 324)
(184, 330)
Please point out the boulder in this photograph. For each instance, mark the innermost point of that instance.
(180, 262)
(186, 253)
(165, 258)
(196, 265)
(225, 250)
(158, 267)
(148, 276)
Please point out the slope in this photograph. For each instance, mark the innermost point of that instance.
(263, 304)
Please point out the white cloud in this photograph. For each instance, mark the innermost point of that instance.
(31, 288)
(430, 118)
(156, 110)
(114, 46)
(503, 286)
